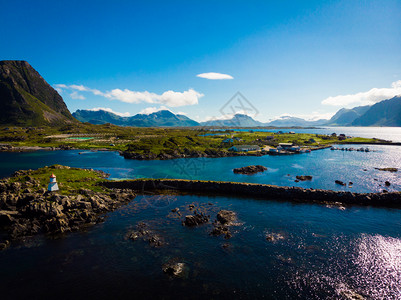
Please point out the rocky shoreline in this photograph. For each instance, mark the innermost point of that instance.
(27, 208)
(264, 191)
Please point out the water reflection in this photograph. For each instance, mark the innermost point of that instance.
(378, 261)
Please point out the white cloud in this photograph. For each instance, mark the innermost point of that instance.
(214, 76)
(128, 96)
(126, 114)
(79, 88)
(365, 98)
(151, 110)
(169, 98)
(75, 95)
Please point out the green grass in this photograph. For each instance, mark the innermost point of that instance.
(70, 180)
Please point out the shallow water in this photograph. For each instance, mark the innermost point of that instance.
(325, 253)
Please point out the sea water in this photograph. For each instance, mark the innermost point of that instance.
(322, 253)
(325, 166)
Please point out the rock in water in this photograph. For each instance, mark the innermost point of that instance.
(340, 182)
(304, 177)
(195, 220)
(387, 169)
(226, 216)
(250, 170)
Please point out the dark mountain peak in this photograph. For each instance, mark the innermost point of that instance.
(27, 99)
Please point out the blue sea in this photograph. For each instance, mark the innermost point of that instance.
(323, 252)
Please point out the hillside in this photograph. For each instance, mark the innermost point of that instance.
(384, 113)
(345, 116)
(160, 118)
(26, 99)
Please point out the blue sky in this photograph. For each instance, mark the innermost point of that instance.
(300, 58)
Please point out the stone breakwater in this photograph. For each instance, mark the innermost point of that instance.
(263, 191)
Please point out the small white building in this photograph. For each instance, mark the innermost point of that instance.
(53, 186)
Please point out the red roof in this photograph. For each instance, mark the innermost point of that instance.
(52, 176)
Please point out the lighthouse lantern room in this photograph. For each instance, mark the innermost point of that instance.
(53, 186)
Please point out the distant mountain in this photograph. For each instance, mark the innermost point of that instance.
(289, 121)
(99, 117)
(26, 99)
(384, 113)
(238, 120)
(156, 119)
(345, 116)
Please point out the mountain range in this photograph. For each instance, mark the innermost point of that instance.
(159, 118)
(26, 99)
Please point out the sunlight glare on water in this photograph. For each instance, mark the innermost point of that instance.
(378, 261)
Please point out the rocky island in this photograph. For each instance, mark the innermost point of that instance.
(28, 208)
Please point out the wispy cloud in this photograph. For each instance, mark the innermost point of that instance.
(75, 95)
(365, 98)
(169, 98)
(126, 114)
(214, 76)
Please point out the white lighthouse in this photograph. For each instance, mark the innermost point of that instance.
(53, 186)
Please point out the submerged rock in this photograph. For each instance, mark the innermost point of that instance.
(250, 170)
(143, 232)
(274, 237)
(173, 267)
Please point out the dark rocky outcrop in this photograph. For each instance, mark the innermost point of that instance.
(304, 177)
(195, 220)
(249, 170)
(340, 182)
(226, 216)
(26, 99)
(221, 225)
(25, 209)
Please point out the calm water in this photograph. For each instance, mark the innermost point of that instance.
(325, 166)
(325, 253)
